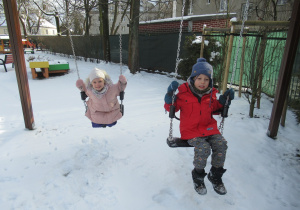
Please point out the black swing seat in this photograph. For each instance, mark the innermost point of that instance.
(177, 142)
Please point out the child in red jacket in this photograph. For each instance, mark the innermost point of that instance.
(197, 102)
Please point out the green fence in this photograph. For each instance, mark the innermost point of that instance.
(272, 59)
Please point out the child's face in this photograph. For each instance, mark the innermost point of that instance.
(201, 82)
(98, 84)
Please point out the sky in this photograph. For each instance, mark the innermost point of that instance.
(64, 163)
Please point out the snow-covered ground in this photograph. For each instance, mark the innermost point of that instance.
(64, 163)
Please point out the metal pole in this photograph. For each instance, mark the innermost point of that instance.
(13, 25)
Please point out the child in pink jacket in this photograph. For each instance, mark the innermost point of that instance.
(103, 106)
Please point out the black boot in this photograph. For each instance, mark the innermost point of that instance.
(215, 177)
(198, 178)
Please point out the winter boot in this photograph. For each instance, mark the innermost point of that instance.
(215, 177)
(198, 178)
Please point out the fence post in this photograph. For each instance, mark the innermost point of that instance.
(242, 66)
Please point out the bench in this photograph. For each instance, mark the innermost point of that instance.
(28, 50)
(8, 59)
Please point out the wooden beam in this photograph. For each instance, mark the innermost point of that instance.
(285, 72)
(13, 25)
(229, 51)
(263, 23)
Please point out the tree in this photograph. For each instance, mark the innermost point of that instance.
(120, 8)
(133, 46)
(54, 14)
(86, 6)
(104, 29)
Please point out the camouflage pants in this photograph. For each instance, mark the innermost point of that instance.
(203, 147)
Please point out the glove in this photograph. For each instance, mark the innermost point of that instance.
(122, 79)
(223, 97)
(83, 95)
(80, 84)
(171, 89)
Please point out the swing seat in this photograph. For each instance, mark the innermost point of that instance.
(177, 142)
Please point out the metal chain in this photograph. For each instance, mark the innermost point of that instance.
(221, 127)
(179, 38)
(72, 45)
(121, 57)
(239, 42)
(120, 43)
(176, 66)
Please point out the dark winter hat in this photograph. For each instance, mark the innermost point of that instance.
(202, 67)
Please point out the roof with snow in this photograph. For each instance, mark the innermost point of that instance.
(44, 23)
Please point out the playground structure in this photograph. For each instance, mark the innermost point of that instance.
(259, 59)
(5, 46)
(269, 37)
(48, 68)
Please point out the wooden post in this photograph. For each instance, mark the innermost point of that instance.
(283, 116)
(285, 72)
(225, 79)
(242, 66)
(13, 25)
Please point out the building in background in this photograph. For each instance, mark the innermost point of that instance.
(45, 28)
(212, 11)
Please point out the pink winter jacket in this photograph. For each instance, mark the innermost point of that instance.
(105, 110)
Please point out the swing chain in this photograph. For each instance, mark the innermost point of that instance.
(239, 42)
(74, 56)
(221, 127)
(176, 66)
(120, 44)
(120, 37)
(179, 39)
(72, 45)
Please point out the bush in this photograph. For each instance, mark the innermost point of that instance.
(212, 53)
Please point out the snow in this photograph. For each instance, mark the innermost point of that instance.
(189, 17)
(64, 163)
(198, 40)
(234, 19)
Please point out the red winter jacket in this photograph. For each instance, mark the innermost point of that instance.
(196, 118)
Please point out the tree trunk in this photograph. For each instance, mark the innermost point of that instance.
(23, 26)
(133, 46)
(186, 7)
(104, 29)
(261, 58)
(115, 18)
(57, 24)
(254, 79)
(87, 17)
(67, 15)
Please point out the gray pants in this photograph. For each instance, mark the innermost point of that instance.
(203, 147)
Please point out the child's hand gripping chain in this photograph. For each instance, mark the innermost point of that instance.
(225, 100)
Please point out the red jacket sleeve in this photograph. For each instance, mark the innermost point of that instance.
(167, 107)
